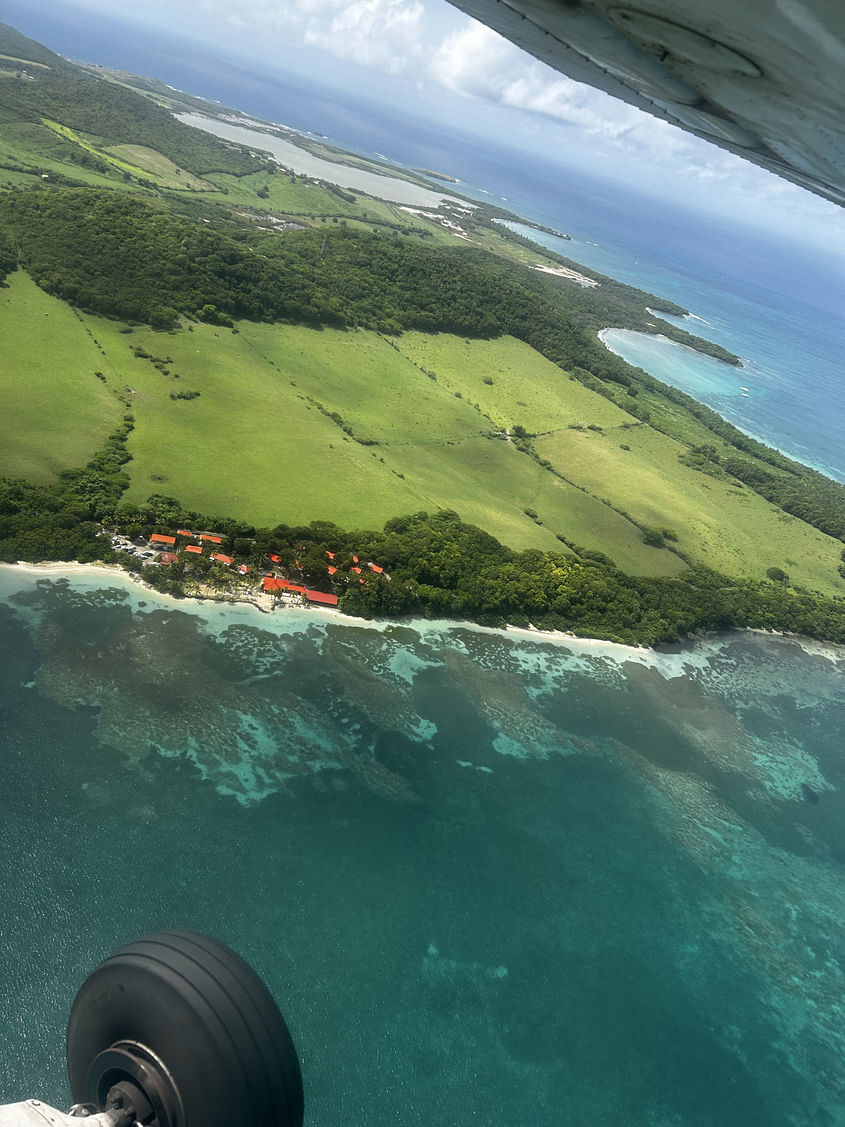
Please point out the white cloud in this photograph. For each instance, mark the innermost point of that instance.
(384, 34)
(478, 62)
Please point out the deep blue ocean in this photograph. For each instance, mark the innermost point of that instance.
(491, 878)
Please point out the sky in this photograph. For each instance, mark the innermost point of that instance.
(427, 57)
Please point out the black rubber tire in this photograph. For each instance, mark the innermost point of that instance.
(206, 1015)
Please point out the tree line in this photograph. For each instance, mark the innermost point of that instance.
(435, 565)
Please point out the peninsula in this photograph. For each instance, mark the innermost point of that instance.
(436, 175)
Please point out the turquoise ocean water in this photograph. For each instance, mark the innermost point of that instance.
(491, 878)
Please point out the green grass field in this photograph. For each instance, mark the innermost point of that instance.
(526, 388)
(141, 160)
(728, 528)
(30, 145)
(259, 443)
(56, 412)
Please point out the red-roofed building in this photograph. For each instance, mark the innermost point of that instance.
(354, 559)
(223, 559)
(357, 570)
(168, 557)
(330, 554)
(271, 583)
(297, 588)
(211, 539)
(275, 559)
(195, 548)
(375, 567)
(321, 597)
(242, 569)
(332, 569)
(157, 538)
(183, 532)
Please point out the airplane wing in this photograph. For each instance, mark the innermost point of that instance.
(762, 78)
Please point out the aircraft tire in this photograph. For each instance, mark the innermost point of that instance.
(177, 1018)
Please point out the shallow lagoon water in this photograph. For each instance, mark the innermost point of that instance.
(305, 163)
(491, 878)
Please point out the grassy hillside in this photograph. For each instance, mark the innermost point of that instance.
(294, 424)
(260, 442)
(56, 411)
(599, 448)
(324, 356)
(511, 383)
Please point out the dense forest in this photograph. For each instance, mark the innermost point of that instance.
(124, 256)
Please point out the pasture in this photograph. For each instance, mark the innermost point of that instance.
(728, 528)
(524, 388)
(283, 424)
(141, 160)
(56, 411)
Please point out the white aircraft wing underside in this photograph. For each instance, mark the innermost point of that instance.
(762, 78)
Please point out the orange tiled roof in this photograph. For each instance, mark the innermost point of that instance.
(321, 597)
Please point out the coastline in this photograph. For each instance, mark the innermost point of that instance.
(671, 663)
(664, 340)
(70, 569)
(260, 603)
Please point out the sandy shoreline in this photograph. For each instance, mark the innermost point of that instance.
(261, 606)
(259, 602)
(567, 272)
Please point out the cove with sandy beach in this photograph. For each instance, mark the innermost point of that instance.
(489, 875)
